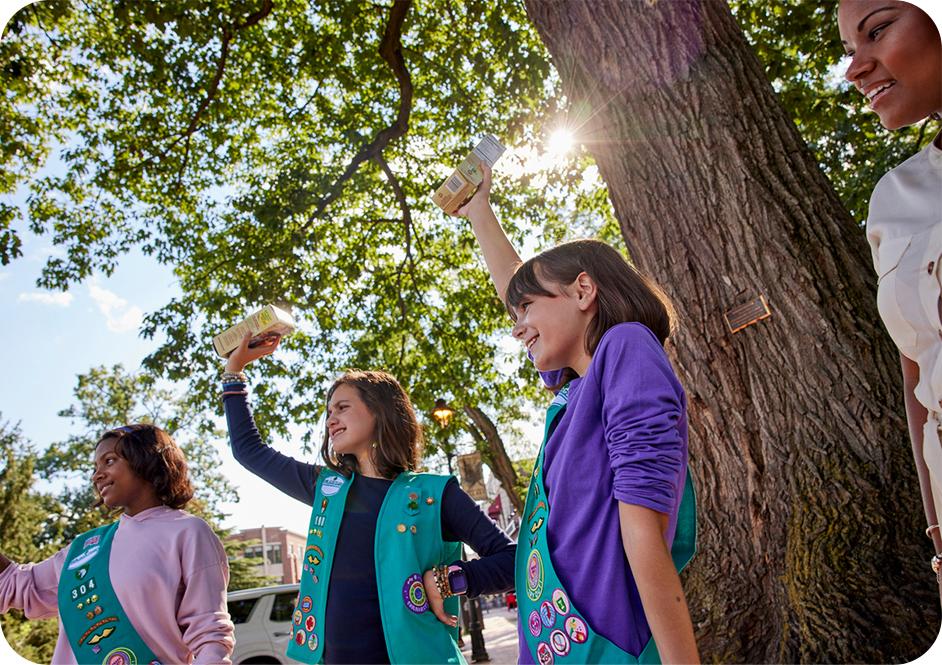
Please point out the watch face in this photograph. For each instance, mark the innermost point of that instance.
(457, 580)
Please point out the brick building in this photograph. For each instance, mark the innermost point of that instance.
(282, 550)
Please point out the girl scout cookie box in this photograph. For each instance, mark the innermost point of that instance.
(268, 321)
(462, 183)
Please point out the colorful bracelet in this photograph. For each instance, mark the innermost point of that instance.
(936, 563)
(441, 581)
(929, 530)
(234, 377)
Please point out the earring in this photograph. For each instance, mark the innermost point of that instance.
(374, 444)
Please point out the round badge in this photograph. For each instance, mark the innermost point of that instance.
(547, 614)
(120, 656)
(413, 594)
(298, 617)
(559, 642)
(544, 655)
(576, 629)
(306, 604)
(332, 485)
(535, 624)
(561, 601)
(299, 638)
(309, 623)
(534, 575)
(312, 643)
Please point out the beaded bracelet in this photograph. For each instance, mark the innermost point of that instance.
(441, 581)
(936, 563)
(234, 377)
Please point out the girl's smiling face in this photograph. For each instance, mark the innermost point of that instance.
(896, 58)
(350, 424)
(117, 484)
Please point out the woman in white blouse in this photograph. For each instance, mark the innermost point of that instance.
(896, 62)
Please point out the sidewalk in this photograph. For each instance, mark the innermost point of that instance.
(500, 637)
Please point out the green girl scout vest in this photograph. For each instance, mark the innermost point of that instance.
(408, 542)
(96, 625)
(553, 628)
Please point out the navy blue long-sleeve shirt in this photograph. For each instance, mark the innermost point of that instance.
(354, 632)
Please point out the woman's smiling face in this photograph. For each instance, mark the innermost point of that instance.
(896, 58)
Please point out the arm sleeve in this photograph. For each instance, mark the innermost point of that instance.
(33, 587)
(642, 410)
(294, 478)
(202, 614)
(464, 521)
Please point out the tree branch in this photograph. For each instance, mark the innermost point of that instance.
(390, 49)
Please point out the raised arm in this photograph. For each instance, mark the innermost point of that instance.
(32, 587)
(499, 255)
(291, 476)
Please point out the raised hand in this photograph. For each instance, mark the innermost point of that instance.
(245, 354)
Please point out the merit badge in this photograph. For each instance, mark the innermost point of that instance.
(561, 601)
(309, 623)
(413, 506)
(84, 557)
(299, 638)
(298, 617)
(575, 628)
(314, 554)
(91, 541)
(81, 573)
(312, 643)
(413, 594)
(429, 500)
(559, 642)
(106, 631)
(323, 505)
(536, 626)
(401, 528)
(534, 575)
(536, 525)
(331, 486)
(306, 604)
(541, 504)
(120, 656)
(544, 655)
(547, 614)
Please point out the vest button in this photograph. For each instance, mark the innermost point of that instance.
(413, 528)
(401, 528)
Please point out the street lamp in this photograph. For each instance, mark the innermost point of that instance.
(442, 413)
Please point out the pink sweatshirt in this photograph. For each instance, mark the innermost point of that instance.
(170, 573)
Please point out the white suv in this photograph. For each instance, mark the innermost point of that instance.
(262, 619)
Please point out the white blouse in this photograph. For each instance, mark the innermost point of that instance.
(904, 230)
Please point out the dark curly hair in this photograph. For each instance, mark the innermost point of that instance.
(398, 433)
(156, 458)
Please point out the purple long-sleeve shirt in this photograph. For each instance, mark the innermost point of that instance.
(623, 438)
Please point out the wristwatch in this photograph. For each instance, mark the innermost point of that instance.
(457, 580)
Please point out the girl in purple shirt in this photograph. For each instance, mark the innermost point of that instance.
(609, 517)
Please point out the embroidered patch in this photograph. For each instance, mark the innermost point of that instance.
(332, 485)
(312, 643)
(413, 594)
(576, 629)
(298, 617)
(534, 575)
(120, 656)
(544, 655)
(306, 605)
(84, 557)
(299, 638)
(534, 623)
(559, 642)
(91, 541)
(309, 623)
(547, 614)
(98, 624)
(561, 601)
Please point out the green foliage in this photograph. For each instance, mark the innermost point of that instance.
(256, 148)
(242, 573)
(799, 46)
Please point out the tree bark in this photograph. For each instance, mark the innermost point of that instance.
(811, 545)
(488, 441)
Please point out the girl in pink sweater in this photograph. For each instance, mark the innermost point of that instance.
(148, 588)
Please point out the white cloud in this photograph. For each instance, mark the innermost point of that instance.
(119, 315)
(62, 299)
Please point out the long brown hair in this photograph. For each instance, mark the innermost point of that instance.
(623, 293)
(398, 434)
(155, 458)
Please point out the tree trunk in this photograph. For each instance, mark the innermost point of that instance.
(811, 545)
(488, 441)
